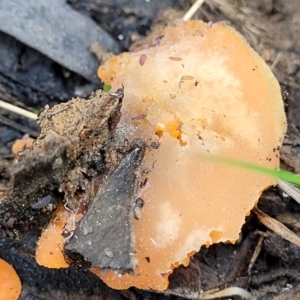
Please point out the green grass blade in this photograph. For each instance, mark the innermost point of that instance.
(106, 87)
(279, 174)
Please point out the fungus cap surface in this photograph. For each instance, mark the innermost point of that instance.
(10, 284)
(21, 144)
(201, 89)
(49, 250)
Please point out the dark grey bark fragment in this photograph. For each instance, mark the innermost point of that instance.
(105, 235)
(55, 29)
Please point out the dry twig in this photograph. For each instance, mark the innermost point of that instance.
(228, 292)
(18, 110)
(192, 10)
(256, 252)
(277, 227)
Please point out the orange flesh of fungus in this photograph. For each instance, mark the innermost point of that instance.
(10, 284)
(49, 251)
(219, 98)
(21, 144)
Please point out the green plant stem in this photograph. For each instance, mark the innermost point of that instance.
(279, 174)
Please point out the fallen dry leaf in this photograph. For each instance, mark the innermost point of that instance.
(277, 227)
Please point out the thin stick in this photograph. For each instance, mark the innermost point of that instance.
(256, 253)
(193, 9)
(276, 61)
(18, 110)
(227, 292)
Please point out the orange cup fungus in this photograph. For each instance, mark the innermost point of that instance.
(198, 89)
(49, 250)
(21, 145)
(10, 284)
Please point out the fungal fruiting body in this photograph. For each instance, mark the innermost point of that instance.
(49, 251)
(21, 145)
(201, 90)
(10, 284)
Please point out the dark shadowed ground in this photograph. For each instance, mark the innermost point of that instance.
(32, 75)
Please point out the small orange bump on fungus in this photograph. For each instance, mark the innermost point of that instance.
(21, 144)
(10, 284)
(228, 103)
(49, 251)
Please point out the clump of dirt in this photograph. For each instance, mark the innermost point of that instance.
(69, 151)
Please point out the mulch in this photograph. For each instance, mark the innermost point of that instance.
(45, 58)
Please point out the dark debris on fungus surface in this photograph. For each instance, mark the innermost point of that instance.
(110, 242)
